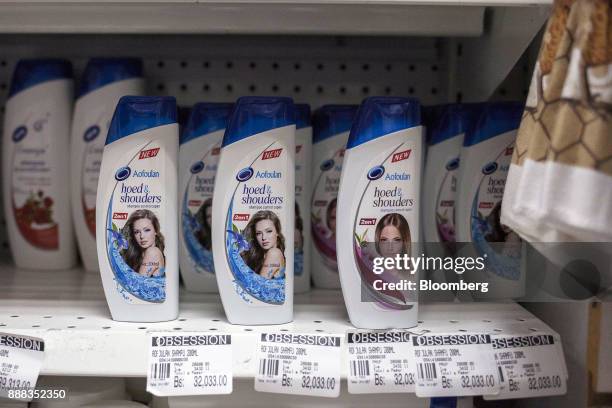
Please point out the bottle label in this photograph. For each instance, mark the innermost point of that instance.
(386, 223)
(445, 203)
(196, 210)
(300, 196)
(135, 225)
(93, 147)
(256, 225)
(34, 180)
(486, 228)
(324, 200)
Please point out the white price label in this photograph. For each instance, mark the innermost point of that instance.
(189, 364)
(302, 364)
(380, 362)
(20, 360)
(455, 364)
(531, 366)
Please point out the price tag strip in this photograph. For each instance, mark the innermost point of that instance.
(21, 358)
(301, 364)
(380, 362)
(531, 366)
(455, 364)
(189, 364)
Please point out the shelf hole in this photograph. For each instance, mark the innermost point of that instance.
(177, 328)
(284, 330)
(248, 330)
(275, 66)
(318, 321)
(342, 90)
(105, 327)
(71, 327)
(342, 67)
(486, 321)
(498, 330)
(388, 67)
(275, 88)
(520, 320)
(462, 330)
(319, 330)
(503, 92)
(454, 321)
(182, 320)
(206, 65)
(183, 64)
(2, 324)
(216, 320)
(365, 90)
(252, 65)
(297, 66)
(142, 328)
(411, 90)
(297, 89)
(229, 88)
(434, 68)
(229, 65)
(411, 68)
(533, 329)
(459, 97)
(212, 329)
(160, 87)
(160, 64)
(320, 67)
(80, 317)
(183, 87)
(3, 86)
(459, 49)
(14, 316)
(365, 67)
(434, 91)
(35, 325)
(420, 322)
(387, 90)
(206, 88)
(47, 317)
(252, 88)
(319, 89)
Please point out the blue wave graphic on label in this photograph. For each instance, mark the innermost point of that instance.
(266, 290)
(486, 229)
(150, 289)
(201, 257)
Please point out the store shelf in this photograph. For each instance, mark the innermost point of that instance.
(405, 17)
(67, 309)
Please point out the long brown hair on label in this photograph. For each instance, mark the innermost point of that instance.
(133, 254)
(255, 255)
(398, 221)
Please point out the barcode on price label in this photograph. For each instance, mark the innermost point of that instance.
(268, 367)
(530, 365)
(380, 362)
(302, 364)
(427, 371)
(20, 360)
(455, 364)
(160, 371)
(189, 364)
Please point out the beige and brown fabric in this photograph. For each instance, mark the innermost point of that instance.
(560, 183)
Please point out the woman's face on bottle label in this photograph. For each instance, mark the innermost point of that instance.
(390, 242)
(144, 233)
(266, 234)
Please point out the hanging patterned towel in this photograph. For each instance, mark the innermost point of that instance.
(559, 187)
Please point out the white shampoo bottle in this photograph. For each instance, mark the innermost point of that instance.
(379, 198)
(104, 81)
(303, 159)
(332, 124)
(199, 151)
(253, 212)
(36, 169)
(136, 217)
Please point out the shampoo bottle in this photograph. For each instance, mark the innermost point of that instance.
(303, 158)
(379, 200)
(200, 147)
(136, 217)
(485, 161)
(104, 81)
(332, 124)
(36, 171)
(253, 212)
